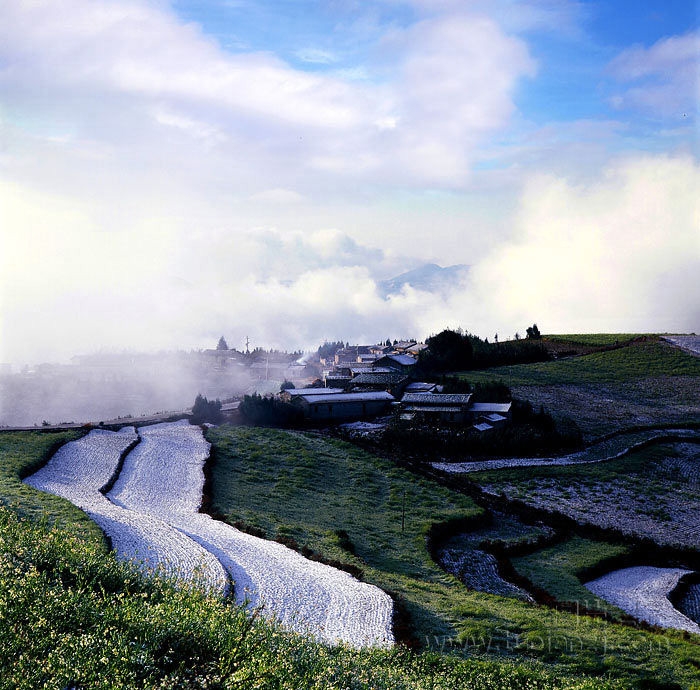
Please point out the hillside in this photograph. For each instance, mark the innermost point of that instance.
(489, 572)
(647, 382)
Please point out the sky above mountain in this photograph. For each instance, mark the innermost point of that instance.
(172, 171)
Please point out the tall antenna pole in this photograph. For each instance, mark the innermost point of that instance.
(247, 343)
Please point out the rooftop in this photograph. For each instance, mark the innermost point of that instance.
(349, 397)
(437, 399)
(293, 392)
(433, 408)
(405, 360)
(378, 377)
(486, 408)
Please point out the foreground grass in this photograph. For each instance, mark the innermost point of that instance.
(73, 616)
(23, 453)
(295, 485)
(639, 360)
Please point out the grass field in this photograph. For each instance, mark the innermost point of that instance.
(644, 383)
(307, 487)
(636, 361)
(558, 570)
(596, 339)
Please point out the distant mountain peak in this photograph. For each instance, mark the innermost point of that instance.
(428, 277)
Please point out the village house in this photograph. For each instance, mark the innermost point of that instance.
(431, 407)
(436, 407)
(337, 406)
(402, 363)
(391, 381)
(289, 394)
(402, 346)
(486, 416)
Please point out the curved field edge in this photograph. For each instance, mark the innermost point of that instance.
(22, 454)
(308, 489)
(75, 616)
(163, 478)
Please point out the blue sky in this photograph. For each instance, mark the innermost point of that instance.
(257, 168)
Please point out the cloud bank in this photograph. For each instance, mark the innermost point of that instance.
(157, 190)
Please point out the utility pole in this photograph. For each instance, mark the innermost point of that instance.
(247, 343)
(403, 511)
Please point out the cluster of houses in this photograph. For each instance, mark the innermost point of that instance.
(369, 381)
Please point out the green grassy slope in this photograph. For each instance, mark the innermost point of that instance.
(643, 383)
(639, 360)
(72, 615)
(596, 339)
(306, 488)
(21, 454)
(294, 484)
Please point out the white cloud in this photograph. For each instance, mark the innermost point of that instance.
(120, 72)
(662, 79)
(156, 189)
(277, 196)
(615, 255)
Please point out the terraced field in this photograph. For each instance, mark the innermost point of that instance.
(645, 383)
(164, 477)
(78, 472)
(652, 493)
(689, 604)
(152, 517)
(463, 556)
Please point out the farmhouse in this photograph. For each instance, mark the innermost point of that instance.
(392, 381)
(343, 405)
(436, 407)
(492, 413)
(453, 408)
(289, 394)
(402, 363)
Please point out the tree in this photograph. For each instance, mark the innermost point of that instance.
(533, 333)
(269, 411)
(221, 345)
(447, 351)
(205, 410)
(286, 385)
